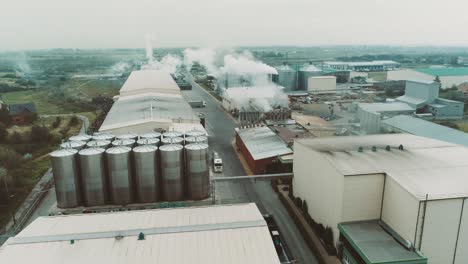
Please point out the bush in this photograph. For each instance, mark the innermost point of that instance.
(57, 122)
(3, 132)
(73, 121)
(39, 134)
(9, 158)
(16, 138)
(5, 117)
(298, 202)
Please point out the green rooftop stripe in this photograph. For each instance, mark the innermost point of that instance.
(450, 71)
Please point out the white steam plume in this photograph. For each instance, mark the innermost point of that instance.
(149, 47)
(262, 98)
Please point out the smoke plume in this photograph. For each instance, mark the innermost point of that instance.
(262, 98)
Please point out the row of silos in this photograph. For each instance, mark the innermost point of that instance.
(296, 80)
(127, 174)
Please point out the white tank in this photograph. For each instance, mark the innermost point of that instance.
(66, 177)
(73, 145)
(151, 135)
(172, 134)
(172, 140)
(172, 177)
(146, 173)
(93, 176)
(128, 136)
(120, 175)
(197, 139)
(98, 144)
(103, 136)
(148, 141)
(80, 137)
(195, 133)
(197, 171)
(124, 142)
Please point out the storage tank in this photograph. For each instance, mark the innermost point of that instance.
(195, 133)
(66, 177)
(305, 72)
(120, 175)
(80, 137)
(93, 176)
(151, 135)
(128, 136)
(197, 139)
(123, 142)
(172, 177)
(146, 173)
(148, 141)
(73, 145)
(287, 77)
(172, 140)
(98, 144)
(172, 134)
(103, 136)
(197, 171)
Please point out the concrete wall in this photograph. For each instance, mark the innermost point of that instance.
(362, 197)
(370, 122)
(461, 256)
(400, 209)
(428, 92)
(440, 230)
(318, 183)
(322, 84)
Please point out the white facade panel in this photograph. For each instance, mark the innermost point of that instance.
(322, 84)
(362, 197)
(318, 183)
(461, 256)
(400, 209)
(440, 230)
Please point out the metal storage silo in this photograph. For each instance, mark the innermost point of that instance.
(287, 77)
(172, 140)
(80, 137)
(73, 145)
(305, 73)
(128, 136)
(197, 139)
(93, 176)
(172, 177)
(103, 136)
(98, 144)
(195, 133)
(66, 177)
(172, 134)
(120, 175)
(146, 173)
(148, 141)
(197, 171)
(124, 142)
(151, 135)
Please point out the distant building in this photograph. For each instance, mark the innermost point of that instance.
(375, 190)
(371, 114)
(260, 147)
(196, 235)
(321, 84)
(362, 66)
(21, 114)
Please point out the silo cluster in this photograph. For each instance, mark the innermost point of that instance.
(119, 170)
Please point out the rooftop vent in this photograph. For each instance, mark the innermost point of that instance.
(141, 236)
(400, 147)
(387, 148)
(374, 148)
(360, 149)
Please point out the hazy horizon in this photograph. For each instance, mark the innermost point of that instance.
(106, 24)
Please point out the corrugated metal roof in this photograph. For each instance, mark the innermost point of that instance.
(263, 143)
(216, 234)
(425, 166)
(137, 109)
(419, 127)
(385, 107)
(150, 79)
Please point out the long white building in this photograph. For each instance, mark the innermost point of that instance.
(196, 235)
(418, 191)
(150, 100)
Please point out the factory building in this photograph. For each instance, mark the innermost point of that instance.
(407, 188)
(260, 147)
(150, 100)
(305, 73)
(420, 127)
(362, 66)
(370, 114)
(196, 235)
(321, 84)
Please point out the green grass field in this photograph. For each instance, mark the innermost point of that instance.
(40, 98)
(94, 88)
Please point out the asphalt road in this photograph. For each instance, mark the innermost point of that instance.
(220, 127)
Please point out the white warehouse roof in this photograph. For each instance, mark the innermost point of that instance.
(425, 166)
(263, 143)
(197, 235)
(386, 107)
(149, 81)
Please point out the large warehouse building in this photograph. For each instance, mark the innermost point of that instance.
(196, 235)
(150, 100)
(415, 188)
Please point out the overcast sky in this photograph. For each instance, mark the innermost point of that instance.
(37, 24)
